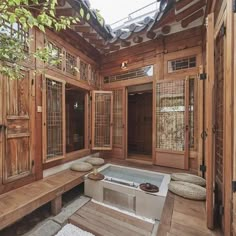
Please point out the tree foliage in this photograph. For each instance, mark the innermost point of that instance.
(29, 14)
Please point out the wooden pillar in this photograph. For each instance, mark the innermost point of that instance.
(228, 120)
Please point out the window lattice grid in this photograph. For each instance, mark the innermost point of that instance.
(94, 76)
(117, 117)
(56, 54)
(15, 31)
(83, 71)
(180, 64)
(146, 71)
(70, 64)
(191, 113)
(102, 121)
(54, 119)
(170, 115)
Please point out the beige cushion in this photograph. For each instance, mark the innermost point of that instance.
(185, 177)
(95, 161)
(187, 190)
(81, 167)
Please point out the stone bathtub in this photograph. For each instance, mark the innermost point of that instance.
(120, 188)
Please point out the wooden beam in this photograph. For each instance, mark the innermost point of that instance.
(65, 12)
(181, 4)
(190, 10)
(166, 29)
(114, 47)
(192, 18)
(151, 34)
(138, 39)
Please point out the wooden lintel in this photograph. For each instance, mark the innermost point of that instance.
(125, 43)
(190, 10)
(138, 39)
(181, 4)
(151, 34)
(192, 18)
(65, 12)
(166, 29)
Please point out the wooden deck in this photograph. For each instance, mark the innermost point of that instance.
(22, 201)
(103, 221)
(183, 217)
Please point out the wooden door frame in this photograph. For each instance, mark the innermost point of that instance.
(126, 120)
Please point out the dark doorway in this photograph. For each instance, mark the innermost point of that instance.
(140, 125)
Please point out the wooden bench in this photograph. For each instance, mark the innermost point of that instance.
(20, 202)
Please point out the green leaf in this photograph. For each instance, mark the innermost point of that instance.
(81, 12)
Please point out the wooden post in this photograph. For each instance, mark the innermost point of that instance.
(209, 124)
(56, 205)
(228, 120)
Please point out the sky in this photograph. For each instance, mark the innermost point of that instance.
(114, 10)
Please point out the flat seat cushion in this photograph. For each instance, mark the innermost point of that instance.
(194, 179)
(81, 167)
(95, 161)
(187, 190)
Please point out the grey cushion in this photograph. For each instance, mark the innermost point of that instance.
(95, 161)
(187, 190)
(81, 167)
(185, 177)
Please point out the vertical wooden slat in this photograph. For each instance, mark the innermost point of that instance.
(228, 119)
(209, 117)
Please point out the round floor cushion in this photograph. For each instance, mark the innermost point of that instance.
(194, 179)
(81, 167)
(95, 161)
(187, 190)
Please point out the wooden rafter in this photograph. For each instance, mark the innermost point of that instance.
(65, 12)
(190, 10)
(91, 35)
(151, 34)
(82, 29)
(192, 18)
(61, 3)
(166, 29)
(138, 39)
(181, 4)
(125, 43)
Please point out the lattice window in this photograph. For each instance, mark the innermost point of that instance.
(70, 64)
(102, 119)
(219, 108)
(183, 63)
(94, 76)
(15, 31)
(56, 54)
(117, 117)
(171, 115)
(146, 71)
(83, 71)
(191, 113)
(54, 118)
